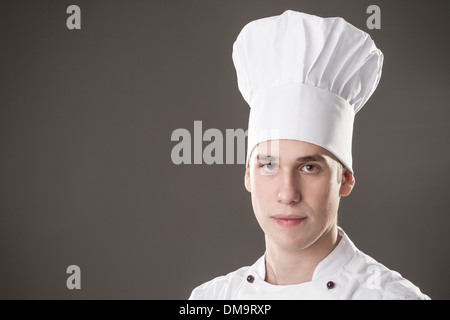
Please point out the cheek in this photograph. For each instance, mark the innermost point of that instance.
(262, 195)
(259, 208)
(323, 196)
(260, 185)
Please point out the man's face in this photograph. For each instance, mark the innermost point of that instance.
(295, 189)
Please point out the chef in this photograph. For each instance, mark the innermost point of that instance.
(305, 78)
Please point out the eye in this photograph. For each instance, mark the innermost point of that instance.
(309, 168)
(269, 167)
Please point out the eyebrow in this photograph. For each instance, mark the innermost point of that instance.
(316, 157)
(266, 157)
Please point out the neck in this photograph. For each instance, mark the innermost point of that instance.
(287, 267)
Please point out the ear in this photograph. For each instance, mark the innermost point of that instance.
(247, 179)
(348, 183)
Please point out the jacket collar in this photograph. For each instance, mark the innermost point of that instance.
(331, 264)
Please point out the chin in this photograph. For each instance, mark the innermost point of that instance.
(292, 243)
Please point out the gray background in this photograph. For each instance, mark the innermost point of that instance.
(86, 118)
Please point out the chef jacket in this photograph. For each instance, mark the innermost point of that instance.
(346, 273)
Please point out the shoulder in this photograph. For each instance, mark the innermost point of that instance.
(222, 287)
(376, 281)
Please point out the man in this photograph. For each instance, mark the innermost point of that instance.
(304, 78)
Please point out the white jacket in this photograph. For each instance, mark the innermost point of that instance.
(346, 273)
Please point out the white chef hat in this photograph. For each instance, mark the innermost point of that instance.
(305, 77)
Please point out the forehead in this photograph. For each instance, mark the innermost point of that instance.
(290, 150)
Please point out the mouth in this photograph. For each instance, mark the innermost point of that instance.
(287, 221)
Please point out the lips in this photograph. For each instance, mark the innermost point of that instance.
(289, 220)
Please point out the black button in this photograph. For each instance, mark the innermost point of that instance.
(250, 278)
(330, 285)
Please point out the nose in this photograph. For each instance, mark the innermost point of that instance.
(289, 192)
